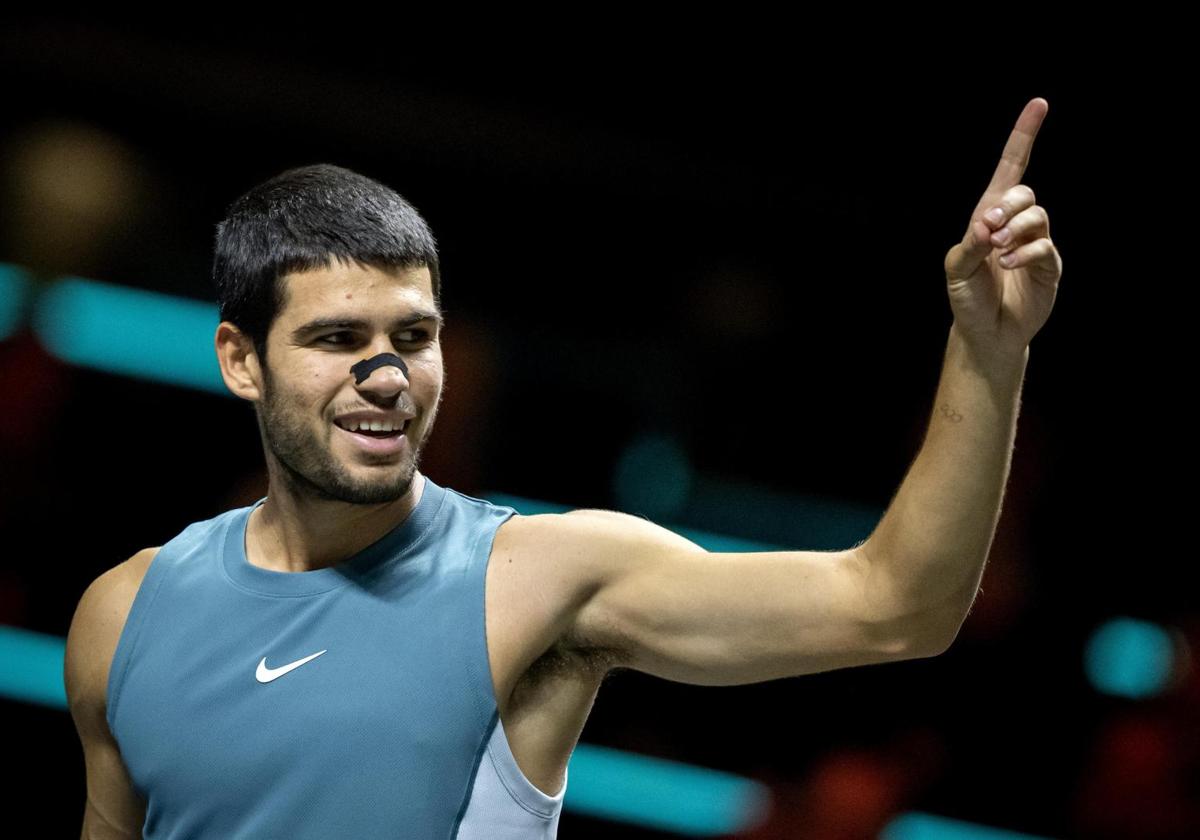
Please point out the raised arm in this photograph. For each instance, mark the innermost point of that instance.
(1002, 279)
(651, 600)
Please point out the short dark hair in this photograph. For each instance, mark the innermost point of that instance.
(300, 220)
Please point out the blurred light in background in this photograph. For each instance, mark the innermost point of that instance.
(14, 288)
(132, 332)
(819, 523)
(1129, 658)
(661, 794)
(31, 667)
(915, 826)
(705, 539)
(653, 477)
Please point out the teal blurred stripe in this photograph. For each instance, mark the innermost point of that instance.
(661, 794)
(15, 287)
(918, 826)
(31, 666)
(792, 519)
(705, 539)
(524, 506)
(132, 332)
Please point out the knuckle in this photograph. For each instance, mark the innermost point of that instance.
(953, 262)
(950, 260)
(1032, 219)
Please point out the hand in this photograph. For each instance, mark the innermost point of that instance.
(999, 306)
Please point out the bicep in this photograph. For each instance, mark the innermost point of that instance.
(113, 809)
(693, 616)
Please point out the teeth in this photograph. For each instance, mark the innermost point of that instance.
(373, 426)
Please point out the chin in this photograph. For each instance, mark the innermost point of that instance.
(379, 491)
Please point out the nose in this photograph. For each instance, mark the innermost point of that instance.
(384, 373)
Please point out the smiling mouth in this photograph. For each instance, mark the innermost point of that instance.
(377, 433)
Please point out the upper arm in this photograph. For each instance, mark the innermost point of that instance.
(658, 603)
(113, 808)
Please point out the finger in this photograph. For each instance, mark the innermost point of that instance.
(1001, 209)
(1015, 156)
(1039, 256)
(964, 258)
(1031, 223)
(978, 241)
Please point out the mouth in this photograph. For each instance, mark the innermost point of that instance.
(375, 430)
(384, 441)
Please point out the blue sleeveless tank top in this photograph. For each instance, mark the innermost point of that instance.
(354, 701)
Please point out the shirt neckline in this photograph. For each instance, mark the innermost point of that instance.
(396, 543)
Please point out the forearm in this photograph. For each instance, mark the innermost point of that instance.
(928, 551)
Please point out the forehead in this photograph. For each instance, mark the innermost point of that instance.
(355, 290)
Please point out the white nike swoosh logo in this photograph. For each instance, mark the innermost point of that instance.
(265, 674)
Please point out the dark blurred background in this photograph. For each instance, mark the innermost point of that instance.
(733, 249)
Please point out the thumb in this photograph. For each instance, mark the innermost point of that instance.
(964, 259)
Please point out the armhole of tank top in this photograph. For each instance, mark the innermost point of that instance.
(481, 664)
(130, 633)
(524, 792)
(499, 752)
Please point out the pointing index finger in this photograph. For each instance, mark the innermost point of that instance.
(1015, 157)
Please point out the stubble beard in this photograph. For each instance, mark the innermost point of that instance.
(310, 470)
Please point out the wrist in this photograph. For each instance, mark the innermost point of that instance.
(990, 359)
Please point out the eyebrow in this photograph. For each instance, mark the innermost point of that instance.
(357, 324)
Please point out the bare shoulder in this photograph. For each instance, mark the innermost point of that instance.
(113, 808)
(95, 630)
(553, 564)
(582, 541)
(546, 674)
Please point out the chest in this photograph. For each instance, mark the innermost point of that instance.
(345, 696)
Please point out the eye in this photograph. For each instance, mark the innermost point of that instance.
(332, 336)
(419, 336)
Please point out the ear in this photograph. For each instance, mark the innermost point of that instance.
(239, 363)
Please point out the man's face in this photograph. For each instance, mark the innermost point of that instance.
(308, 384)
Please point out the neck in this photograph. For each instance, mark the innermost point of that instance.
(294, 532)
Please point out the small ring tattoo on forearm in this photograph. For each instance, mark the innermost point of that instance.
(950, 414)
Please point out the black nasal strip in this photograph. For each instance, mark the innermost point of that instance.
(366, 367)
